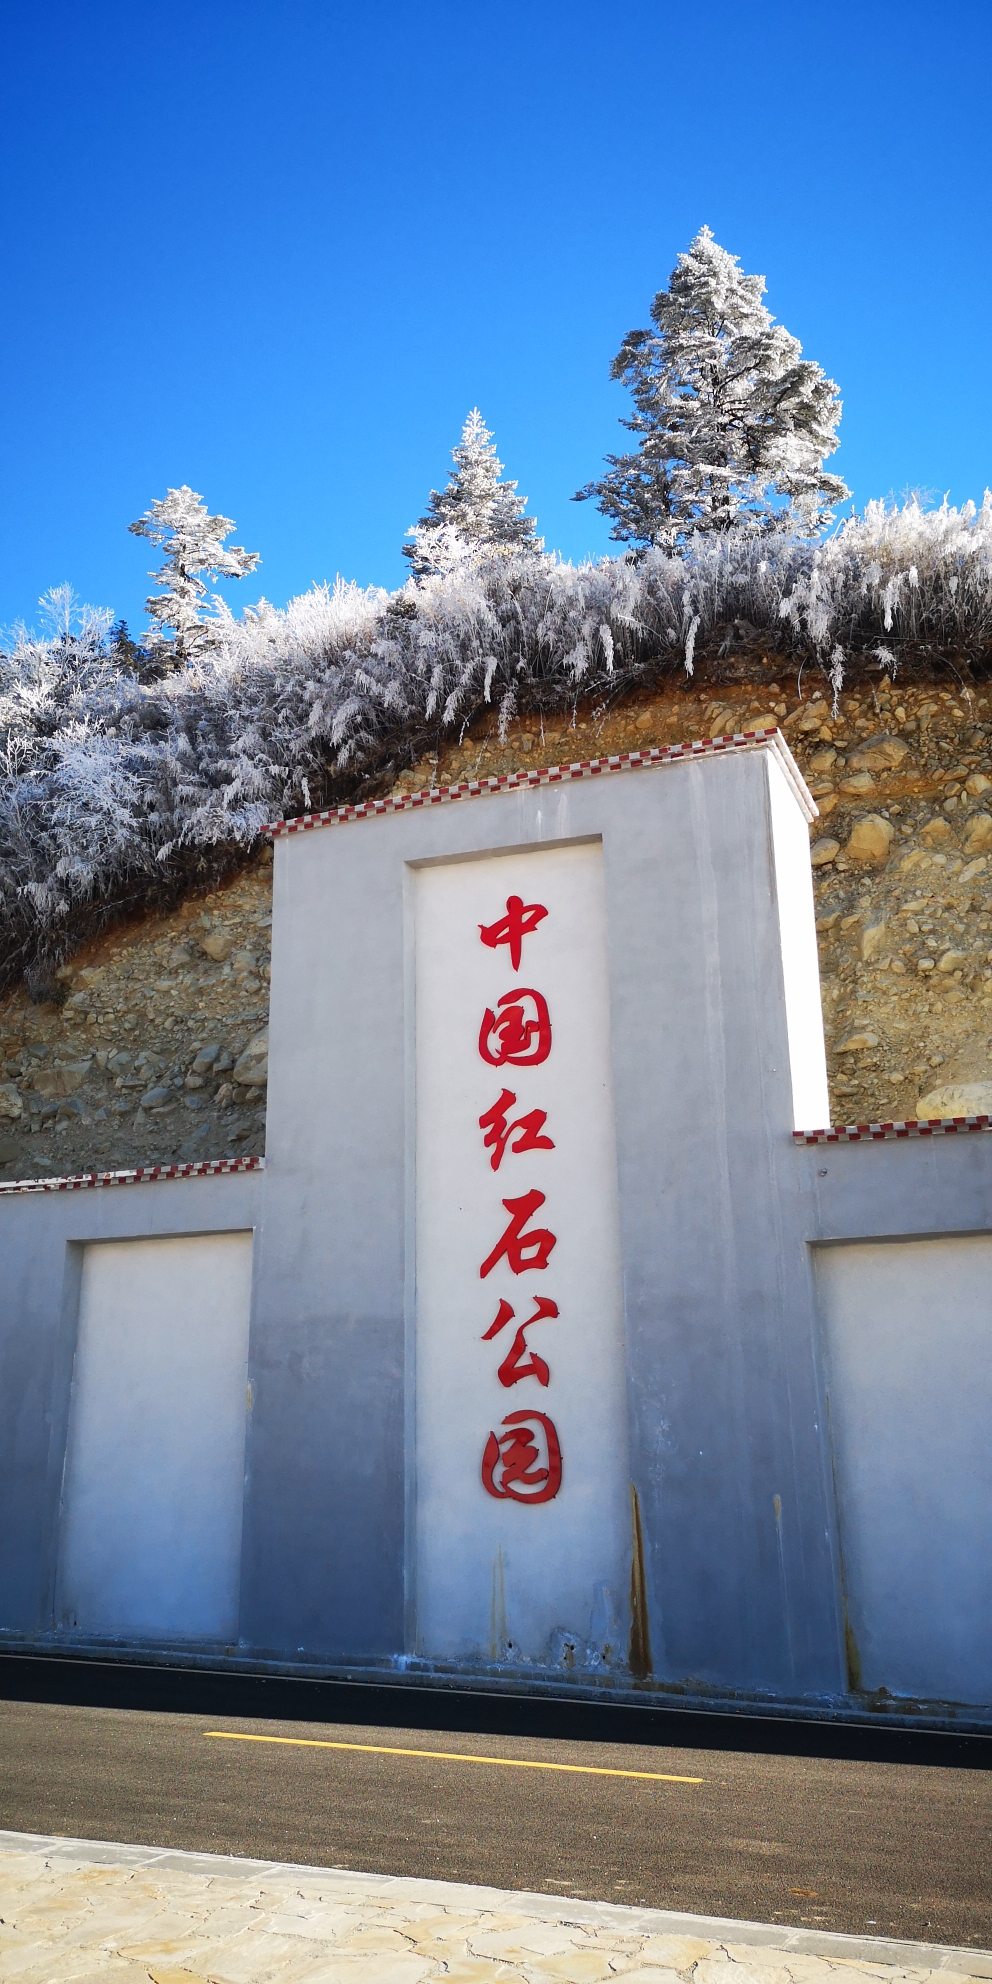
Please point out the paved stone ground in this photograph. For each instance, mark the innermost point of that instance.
(72, 1911)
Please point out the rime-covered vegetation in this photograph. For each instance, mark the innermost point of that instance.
(732, 423)
(119, 790)
(478, 509)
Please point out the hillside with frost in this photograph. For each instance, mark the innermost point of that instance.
(117, 790)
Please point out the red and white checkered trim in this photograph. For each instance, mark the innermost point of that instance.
(145, 1174)
(625, 761)
(874, 1133)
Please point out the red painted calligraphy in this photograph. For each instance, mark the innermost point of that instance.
(522, 1250)
(525, 1131)
(521, 1361)
(511, 1469)
(515, 1034)
(522, 1461)
(520, 920)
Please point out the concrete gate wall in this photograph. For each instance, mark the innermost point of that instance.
(737, 1348)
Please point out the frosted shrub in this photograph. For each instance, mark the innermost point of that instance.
(116, 791)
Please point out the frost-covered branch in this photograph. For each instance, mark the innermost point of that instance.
(117, 790)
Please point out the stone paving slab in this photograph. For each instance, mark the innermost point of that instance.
(76, 1911)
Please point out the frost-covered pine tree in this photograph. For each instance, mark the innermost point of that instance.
(478, 512)
(730, 416)
(194, 552)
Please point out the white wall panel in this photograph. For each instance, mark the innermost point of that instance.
(152, 1506)
(800, 958)
(909, 1333)
(498, 1576)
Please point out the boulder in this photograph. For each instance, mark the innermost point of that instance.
(871, 839)
(206, 1058)
(979, 833)
(55, 1082)
(252, 1071)
(874, 938)
(937, 833)
(823, 852)
(956, 1099)
(217, 945)
(807, 721)
(858, 1043)
(11, 1106)
(158, 1099)
(953, 961)
(878, 754)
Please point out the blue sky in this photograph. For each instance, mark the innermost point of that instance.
(277, 252)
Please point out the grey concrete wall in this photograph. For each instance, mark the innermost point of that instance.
(727, 1367)
(723, 1387)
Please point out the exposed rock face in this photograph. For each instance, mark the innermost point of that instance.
(143, 1062)
(159, 1051)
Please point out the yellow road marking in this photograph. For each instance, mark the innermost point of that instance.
(450, 1756)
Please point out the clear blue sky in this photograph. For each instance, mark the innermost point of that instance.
(278, 251)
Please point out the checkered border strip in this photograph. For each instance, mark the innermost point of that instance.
(625, 761)
(875, 1133)
(145, 1174)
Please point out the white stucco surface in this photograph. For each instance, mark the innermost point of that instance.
(800, 959)
(495, 1575)
(151, 1527)
(909, 1342)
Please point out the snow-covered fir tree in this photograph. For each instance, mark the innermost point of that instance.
(732, 423)
(478, 512)
(194, 547)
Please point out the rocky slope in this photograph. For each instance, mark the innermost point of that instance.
(158, 1052)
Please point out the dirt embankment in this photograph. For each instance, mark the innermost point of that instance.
(158, 1052)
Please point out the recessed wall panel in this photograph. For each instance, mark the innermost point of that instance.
(522, 1482)
(909, 1339)
(154, 1483)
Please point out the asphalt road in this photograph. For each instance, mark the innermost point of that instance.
(868, 1832)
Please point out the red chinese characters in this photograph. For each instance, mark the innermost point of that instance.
(522, 1250)
(511, 1463)
(525, 1131)
(521, 919)
(522, 1462)
(521, 1361)
(519, 1030)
